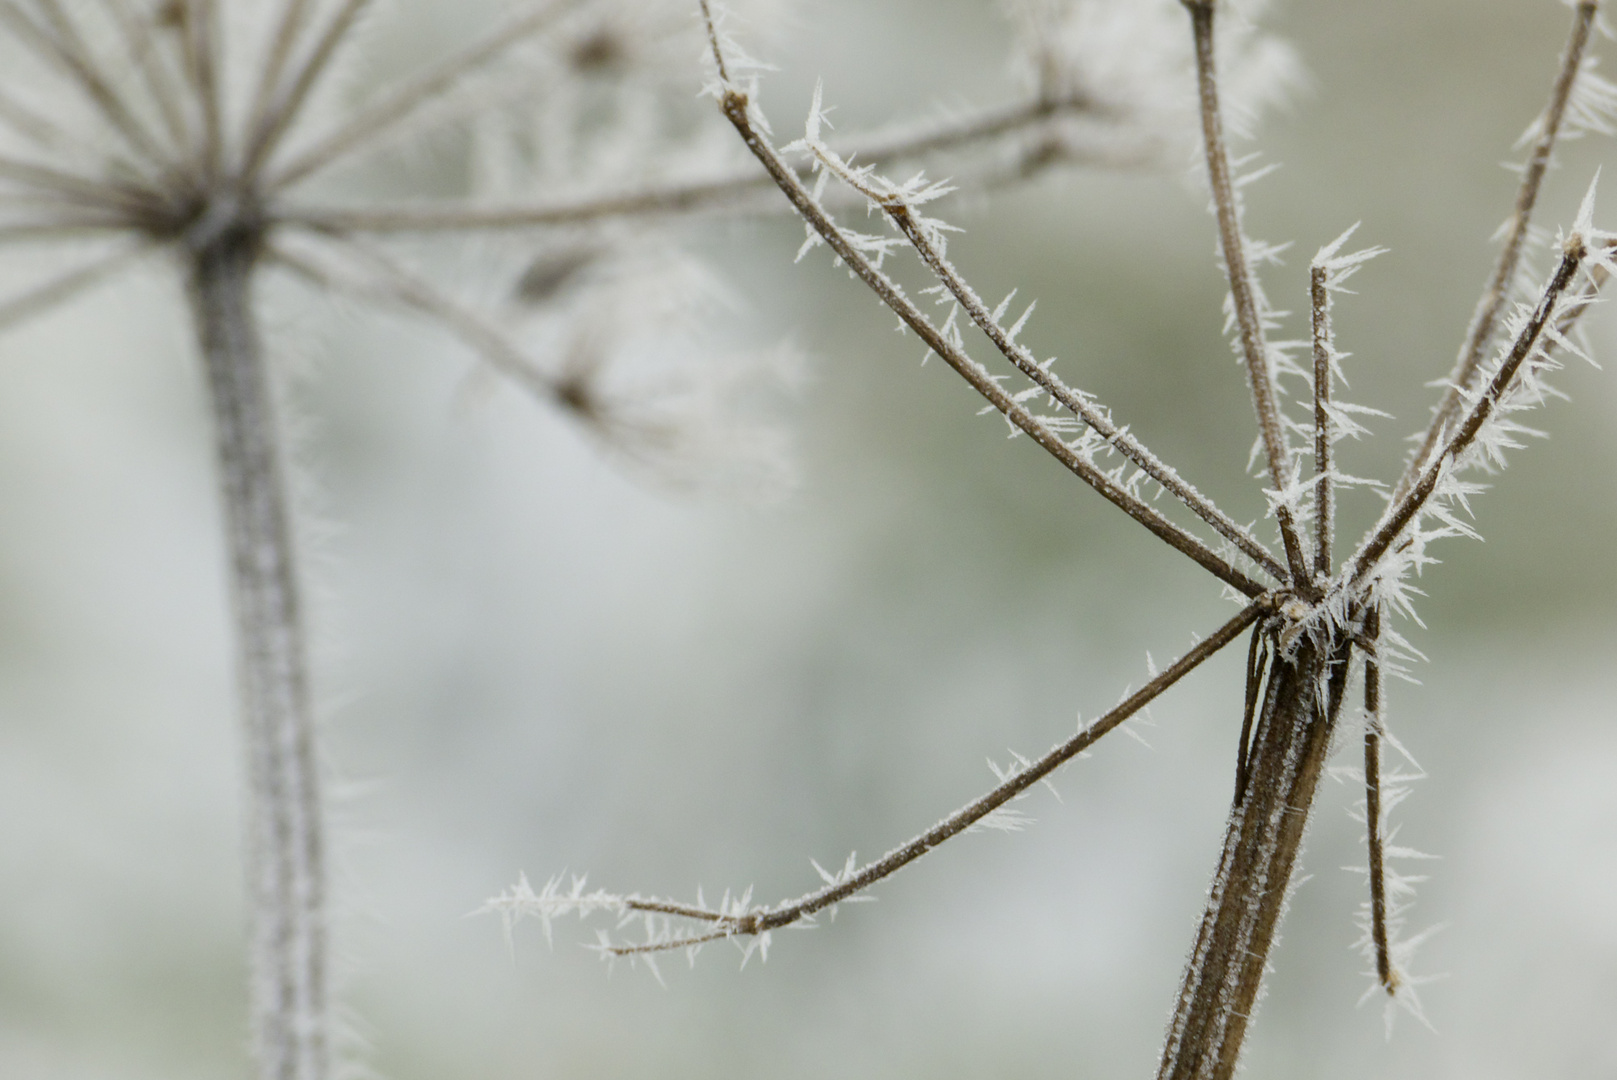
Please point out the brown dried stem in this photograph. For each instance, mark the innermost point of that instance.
(1403, 511)
(735, 105)
(1243, 292)
(1319, 295)
(1497, 291)
(671, 197)
(1374, 726)
(286, 868)
(762, 920)
(1261, 843)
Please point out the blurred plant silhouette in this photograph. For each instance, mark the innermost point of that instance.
(1318, 613)
(195, 133)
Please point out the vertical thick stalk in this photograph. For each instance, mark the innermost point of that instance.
(285, 863)
(1261, 843)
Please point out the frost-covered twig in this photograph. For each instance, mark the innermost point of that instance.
(723, 193)
(286, 872)
(1441, 466)
(901, 203)
(1243, 291)
(851, 249)
(1572, 76)
(742, 920)
(1374, 726)
(400, 103)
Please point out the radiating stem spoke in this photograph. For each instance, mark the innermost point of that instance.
(1243, 291)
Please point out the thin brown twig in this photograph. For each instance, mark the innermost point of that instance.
(63, 43)
(762, 920)
(293, 16)
(735, 105)
(1374, 726)
(1079, 404)
(1497, 291)
(1243, 292)
(147, 58)
(671, 197)
(202, 47)
(1319, 295)
(413, 292)
(65, 286)
(1401, 512)
(278, 116)
(398, 104)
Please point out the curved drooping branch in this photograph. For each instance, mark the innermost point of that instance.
(286, 872)
(737, 919)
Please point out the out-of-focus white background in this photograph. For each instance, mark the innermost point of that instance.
(527, 661)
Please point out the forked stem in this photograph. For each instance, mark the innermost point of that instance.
(286, 872)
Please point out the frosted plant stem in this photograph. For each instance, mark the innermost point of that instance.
(1373, 728)
(286, 874)
(272, 124)
(64, 287)
(1092, 413)
(1261, 842)
(1242, 292)
(402, 101)
(1497, 290)
(1401, 512)
(672, 197)
(763, 920)
(736, 108)
(1319, 296)
(61, 43)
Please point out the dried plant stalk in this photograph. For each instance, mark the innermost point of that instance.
(1261, 843)
(286, 877)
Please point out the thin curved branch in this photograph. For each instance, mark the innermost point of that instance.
(62, 44)
(67, 285)
(687, 196)
(294, 15)
(1081, 405)
(729, 924)
(278, 116)
(1494, 295)
(146, 58)
(736, 107)
(415, 293)
(1243, 291)
(1402, 511)
(401, 102)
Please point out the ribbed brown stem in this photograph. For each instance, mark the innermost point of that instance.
(1261, 843)
(285, 862)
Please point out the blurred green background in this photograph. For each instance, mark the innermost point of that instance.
(529, 662)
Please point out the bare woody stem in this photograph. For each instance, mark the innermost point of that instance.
(1319, 296)
(1494, 295)
(673, 197)
(1402, 512)
(1261, 843)
(1243, 292)
(286, 873)
(767, 919)
(1074, 401)
(735, 106)
(1374, 841)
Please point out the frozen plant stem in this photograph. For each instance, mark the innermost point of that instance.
(286, 886)
(1261, 842)
(1491, 305)
(1243, 292)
